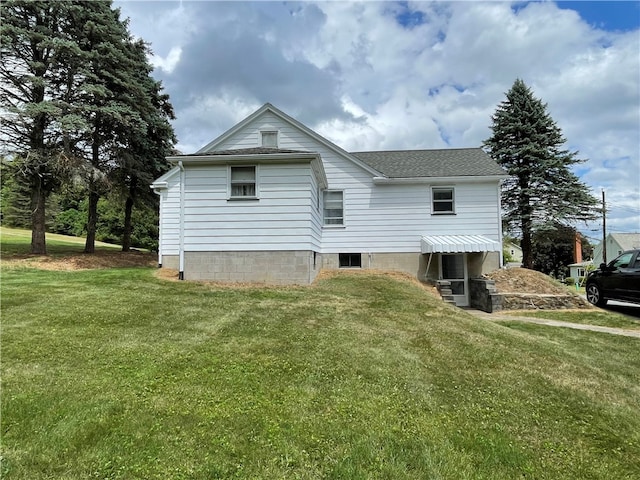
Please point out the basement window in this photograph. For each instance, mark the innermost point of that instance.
(350, 260)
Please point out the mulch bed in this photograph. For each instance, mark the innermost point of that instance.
(83, 261)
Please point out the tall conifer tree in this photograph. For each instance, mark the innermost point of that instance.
(30, 41)
(542, 189)
(76, 92)
(142, 157)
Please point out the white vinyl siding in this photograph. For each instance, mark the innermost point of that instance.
(170, 215)
(281, 220)
(379, 218)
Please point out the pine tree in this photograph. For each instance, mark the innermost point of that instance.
(142, 157)
(103, 85)
(542, 189)
(78, 101)
(30, 37)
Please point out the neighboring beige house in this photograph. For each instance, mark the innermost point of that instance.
(516, 253)
(272, 201)
(616, 244)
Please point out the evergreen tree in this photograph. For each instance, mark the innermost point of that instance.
(30, 43)
(553, 250)
(142, 158)
(103, 85)
(76, 96)
(15, 196)
(542, 189)
(128, 132)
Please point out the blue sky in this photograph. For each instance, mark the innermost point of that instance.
(612, 16)
(405, 75)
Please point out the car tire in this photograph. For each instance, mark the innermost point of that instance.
(594, 295)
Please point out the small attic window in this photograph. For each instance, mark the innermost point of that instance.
(269, 139)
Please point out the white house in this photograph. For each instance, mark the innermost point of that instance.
(272, 201)
(616, 243)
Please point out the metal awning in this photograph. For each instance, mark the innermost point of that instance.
(458, 244)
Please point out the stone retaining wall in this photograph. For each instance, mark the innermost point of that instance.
(531, 301)
(483, 296)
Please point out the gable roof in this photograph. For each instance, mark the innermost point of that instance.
(454, 162)
(392, 164)
(627, 241)
(267, 107)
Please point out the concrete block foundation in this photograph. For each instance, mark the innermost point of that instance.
(275, 268)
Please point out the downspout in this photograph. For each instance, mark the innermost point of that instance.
(160, 231)
(181, 230)
(500, 254)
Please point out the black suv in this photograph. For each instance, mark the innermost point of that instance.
(618, 280)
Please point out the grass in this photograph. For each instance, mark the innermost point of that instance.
(587, 317)
(116, 374)
(16, 241)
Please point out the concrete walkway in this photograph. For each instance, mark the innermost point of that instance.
(498, 317)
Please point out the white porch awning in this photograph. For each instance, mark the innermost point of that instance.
(458, 244)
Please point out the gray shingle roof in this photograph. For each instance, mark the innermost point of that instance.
(451, 162)
(627, 241)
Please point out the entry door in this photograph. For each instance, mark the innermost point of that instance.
(454, 268)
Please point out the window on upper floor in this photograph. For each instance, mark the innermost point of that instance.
(269, 138)
(443, 200)
(243, 182)
(333, 207)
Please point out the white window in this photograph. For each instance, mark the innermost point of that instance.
(269, 139)
(443, 200)
(333, 207)
(243, 182)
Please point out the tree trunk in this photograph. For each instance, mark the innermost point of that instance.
(92, 221)
(126, 235)
(527, 253)
(38, 223)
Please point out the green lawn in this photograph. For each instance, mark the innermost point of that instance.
(588, 317)
(16, 241)
(116, 374)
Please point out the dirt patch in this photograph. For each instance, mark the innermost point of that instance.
(83, 261)
(523, 280)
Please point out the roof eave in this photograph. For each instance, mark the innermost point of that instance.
(253, 158)
(432, 180)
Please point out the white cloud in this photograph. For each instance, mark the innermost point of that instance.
(168, 64)
(356, 75)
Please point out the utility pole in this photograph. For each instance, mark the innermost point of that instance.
(604, 229)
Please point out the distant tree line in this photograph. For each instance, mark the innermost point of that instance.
(85, 128)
